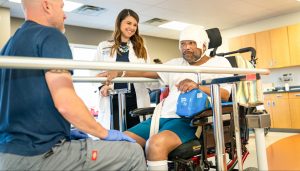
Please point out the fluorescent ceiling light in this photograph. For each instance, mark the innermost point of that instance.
(68, 7)
(174, 25)
(15, 1)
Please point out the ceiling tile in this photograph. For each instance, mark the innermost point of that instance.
(223, 14)
(149, 2)
(2, 1)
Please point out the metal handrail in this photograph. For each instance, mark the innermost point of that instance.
(77, 79)
(51, 63)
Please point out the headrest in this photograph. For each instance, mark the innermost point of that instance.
(215, 39)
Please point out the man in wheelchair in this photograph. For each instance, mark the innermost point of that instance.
(174, 130)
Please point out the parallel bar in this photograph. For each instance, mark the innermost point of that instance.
(218, 127)
(115, 80)
(233, 79)
(50, 63)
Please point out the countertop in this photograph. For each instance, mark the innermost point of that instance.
(282, 90)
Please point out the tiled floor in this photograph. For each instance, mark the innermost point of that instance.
(285, 154)
(274, 140)
(251, 161)
(271, 138)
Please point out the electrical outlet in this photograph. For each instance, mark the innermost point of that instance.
(286, 78)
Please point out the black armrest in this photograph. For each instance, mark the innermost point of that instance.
(142, 111)
(232, 79)
(202, 118)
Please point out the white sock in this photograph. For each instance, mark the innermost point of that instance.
(161, 165)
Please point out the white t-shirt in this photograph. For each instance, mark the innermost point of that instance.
(171, 79)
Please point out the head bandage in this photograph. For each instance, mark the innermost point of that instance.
(195, 33)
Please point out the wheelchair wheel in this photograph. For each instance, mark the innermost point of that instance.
(186, 165)
(251, 169)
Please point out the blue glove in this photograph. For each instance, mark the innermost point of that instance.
(75, 134)
(114, 135)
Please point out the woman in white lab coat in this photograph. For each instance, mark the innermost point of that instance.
(127, 46)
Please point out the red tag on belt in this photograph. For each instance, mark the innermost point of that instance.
(94, 154)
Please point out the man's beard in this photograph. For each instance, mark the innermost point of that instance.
(191, 58)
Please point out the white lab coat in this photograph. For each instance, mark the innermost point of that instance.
(103, 54)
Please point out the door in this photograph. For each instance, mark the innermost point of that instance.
(247, 41)
(281, 111)
(294, 101)
(294, 43)
(280, 47)
(268, 106)
(234, 44)
(263, 50)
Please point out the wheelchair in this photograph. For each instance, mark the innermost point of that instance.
(194, 155)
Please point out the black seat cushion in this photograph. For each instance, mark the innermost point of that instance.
(186, 150)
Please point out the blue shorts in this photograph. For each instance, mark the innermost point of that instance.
(180, 126)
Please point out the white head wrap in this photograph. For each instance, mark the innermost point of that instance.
(195, 33)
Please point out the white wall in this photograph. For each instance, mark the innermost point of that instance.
(5, 26)
(276, 73)
(262, 25)
(162, 48)
(166, 48)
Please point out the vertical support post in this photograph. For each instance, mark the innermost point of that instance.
(128, 87)
(237, 127)
(112, 126)
(218, 127)
(122, 112)
(261, 149)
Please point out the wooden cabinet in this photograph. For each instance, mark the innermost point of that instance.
(294, 101)
(247, 41)
(242, 42)
(280, 47)
(268, 107)
(281, 111)
(276, 48)
(284, 109)
(277, 106)
(294, 43)
(234, 44)
(263, 49)
(272, 48)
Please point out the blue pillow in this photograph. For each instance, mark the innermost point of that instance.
(191, 103)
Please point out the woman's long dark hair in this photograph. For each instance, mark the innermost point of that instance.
(136, 40)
